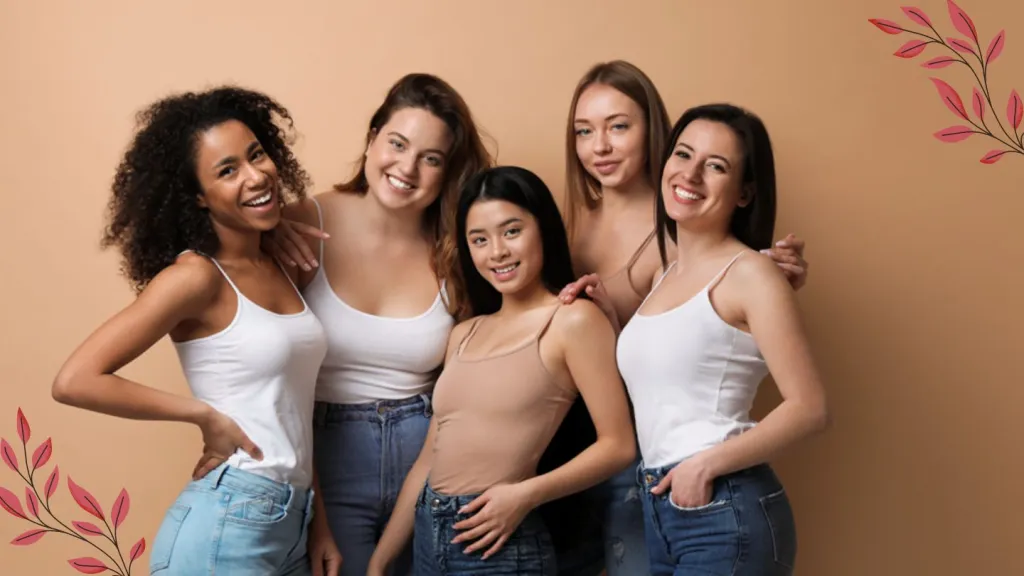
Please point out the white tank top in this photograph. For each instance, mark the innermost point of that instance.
(692, 377)
(261, 372)
(371, 357)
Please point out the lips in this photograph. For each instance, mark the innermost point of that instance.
(685, 195)
(606, 167)
(400, 184)
(263, 200)
(506, 272)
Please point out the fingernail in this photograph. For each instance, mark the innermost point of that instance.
(315, 263)
(306, 267)
(766, 251)
(326, 235)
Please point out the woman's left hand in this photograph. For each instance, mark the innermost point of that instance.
(788, 253)
(324, 557)
(498, 512)
(690, 484)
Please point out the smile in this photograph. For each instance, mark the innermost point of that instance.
(260, 200)
(686, 194)
(399, 183)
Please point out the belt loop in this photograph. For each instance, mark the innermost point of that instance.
(217, 475)
(428, 409)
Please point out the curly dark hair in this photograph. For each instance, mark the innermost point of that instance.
(154, 214)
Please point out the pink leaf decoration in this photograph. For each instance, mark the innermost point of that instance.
(87, 529)
(993, 156)
(939, 62)
(950, 98)
(120, 509)
(11, 503)
(954, 133)
(995, 48)
(42, 454)
(8, 455)
(961, 21)
(979, 103)
(52, 482)
(911, 49)
(85, 499)
(887, 26)
(24, 430)
(138, 549)
(960, 45)
(31, 502)
(30, 537)
(917, 15)
(87, 565)
(1014, 109)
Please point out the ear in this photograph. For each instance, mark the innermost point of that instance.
(746, 195)
(201, 200)
(369, 141)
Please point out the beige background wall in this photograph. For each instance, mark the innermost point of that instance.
(916, 247)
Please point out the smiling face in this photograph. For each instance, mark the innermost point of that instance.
(406, 159)
(703, 178)
(239, 180)
(505, 244)
(611, 133)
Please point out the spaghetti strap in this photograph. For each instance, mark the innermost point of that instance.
(656, 284)
(320, 223)
(222, 272)
(547, 322)
(639, 251)
(721, 274)
(472, 331)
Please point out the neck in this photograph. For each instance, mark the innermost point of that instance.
(238, 244)
(693, 242)
(526, 299)
(394, 224)
(636, 192)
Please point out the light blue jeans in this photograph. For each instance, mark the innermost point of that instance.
(232, 522)
(363, 453)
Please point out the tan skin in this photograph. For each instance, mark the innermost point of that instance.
(578, 350)
(611, 132)
(754, 296)
(378, 259)
(190, 299)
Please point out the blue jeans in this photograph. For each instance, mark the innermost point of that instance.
(746, 530)
(233, 522)
(528, 552)
(362, 454)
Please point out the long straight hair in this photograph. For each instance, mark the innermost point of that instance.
(526, 190)
(583, 191)
(753, 224)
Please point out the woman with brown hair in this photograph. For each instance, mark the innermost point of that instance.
(616, 136)
(381, 289)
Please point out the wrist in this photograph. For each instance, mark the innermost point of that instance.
(531, 493)
(707, 466)
(200, 414)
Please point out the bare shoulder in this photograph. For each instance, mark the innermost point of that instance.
(190, 283)
(581, 316)
(304, 211)
(756, 269)
(457, 334)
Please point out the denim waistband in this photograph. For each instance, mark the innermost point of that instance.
(324, 412)
(231, 478)
(648, 478)
(443, 505)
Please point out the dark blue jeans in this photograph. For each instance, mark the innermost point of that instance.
(528, 552)
(363, 453)
(746, 530)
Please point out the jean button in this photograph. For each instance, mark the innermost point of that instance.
(649, 478)
(381, 409)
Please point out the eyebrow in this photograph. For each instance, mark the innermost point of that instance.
(234, 159)
(609, 117)
(406, 140)
(512, 220)
(690, 148)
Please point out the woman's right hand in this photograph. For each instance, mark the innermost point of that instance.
(592, 286)
(286, 243)
(221, 438)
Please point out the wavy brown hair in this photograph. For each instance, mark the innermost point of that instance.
(583, 191)
(467, 157)
(154, 214)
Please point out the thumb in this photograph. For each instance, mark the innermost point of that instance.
(316, 561)
(251, 448)
(477, 503)
(665, 483)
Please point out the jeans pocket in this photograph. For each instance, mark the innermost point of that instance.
(166, 536)
(710, 507)
(779, 516)
(255, 511)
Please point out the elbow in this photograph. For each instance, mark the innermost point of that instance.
(65, 388)
(625, 452)
(820, 417)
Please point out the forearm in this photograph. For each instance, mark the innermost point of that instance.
(117, 396)
(399, 529)
(599, 461)
(786, 425)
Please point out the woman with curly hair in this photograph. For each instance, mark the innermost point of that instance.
(205, 176)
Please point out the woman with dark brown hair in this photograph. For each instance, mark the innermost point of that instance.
(616, 136)
(386, 288)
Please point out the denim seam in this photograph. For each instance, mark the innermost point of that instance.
(742, 537)
(218, 532)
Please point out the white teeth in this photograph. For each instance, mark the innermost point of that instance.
(399, 184)
(506, 269)
(687, 195)
(259, 201)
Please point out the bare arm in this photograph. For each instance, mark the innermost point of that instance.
(588, 341)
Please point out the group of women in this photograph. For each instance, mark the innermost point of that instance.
(432, 368)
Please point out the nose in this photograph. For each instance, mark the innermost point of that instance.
(407, 164)
(255, 177)
(498, 250)
(602, 145)
(693, 173)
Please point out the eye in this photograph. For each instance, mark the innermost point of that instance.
(476, 241)
(433, 161)
(620, 126)
(582, 131)
(397, 144)
(717, 167)
(225, 171)
(682, 154)
(512, 232)
(257, 154)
